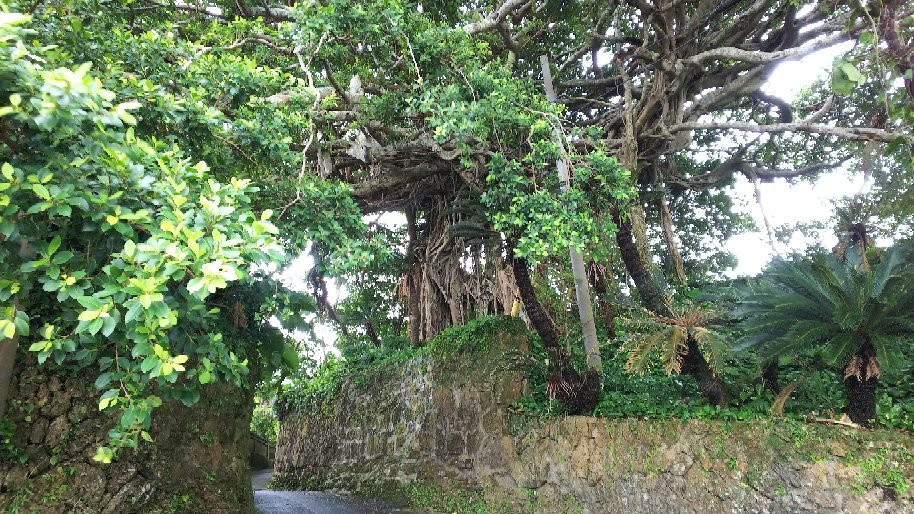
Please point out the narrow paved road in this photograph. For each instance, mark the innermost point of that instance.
(301, 502)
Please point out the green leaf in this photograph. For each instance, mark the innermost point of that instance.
(852, 73)
(41, 191)
(7, 329)
(102, 380)
(108, 398)
(109, 325)
(290, 356)
(104, 455)
(149, 363)
(89, 303)
(89, 315)
(53, 245)
(22, 324)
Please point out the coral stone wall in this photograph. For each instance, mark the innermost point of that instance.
(447, 424)
(198, 464)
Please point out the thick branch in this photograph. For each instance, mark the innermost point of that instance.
(494, 18)
(756, 57)
(852, 133)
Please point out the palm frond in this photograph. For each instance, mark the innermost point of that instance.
(824, 302)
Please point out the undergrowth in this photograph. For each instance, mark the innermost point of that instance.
(318, 388)
(652, 394)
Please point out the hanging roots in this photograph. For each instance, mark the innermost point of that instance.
(575, 393)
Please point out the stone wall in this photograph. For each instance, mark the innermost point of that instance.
(447, 424)
(198, 464)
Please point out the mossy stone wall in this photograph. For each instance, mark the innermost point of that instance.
(199, 462)
(440, 431)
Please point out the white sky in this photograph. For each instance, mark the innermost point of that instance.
(786, 203)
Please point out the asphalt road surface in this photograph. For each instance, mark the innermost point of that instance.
(302, 502)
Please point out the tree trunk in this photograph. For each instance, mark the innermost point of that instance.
(666, 222)
(695, 364)
(371, 333)
(650, 295)
(770, 373)
(445, 283)
(7, 365)
(412, 300)
(539, 318)
(860, 384)
(576, 393)
(581, 286)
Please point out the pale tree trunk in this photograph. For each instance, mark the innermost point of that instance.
(666, 222)
(7, 366)
(578, 271)
(412, 295)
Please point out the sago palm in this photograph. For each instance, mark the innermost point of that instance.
(685, 342)
(859, 316)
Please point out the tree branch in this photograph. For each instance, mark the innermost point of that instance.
(494, 18)
(758, 57)
(852, 133)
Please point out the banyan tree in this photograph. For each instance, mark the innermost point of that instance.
(437, 110)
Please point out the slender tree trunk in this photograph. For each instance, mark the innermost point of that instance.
(7, 366)
(770, 373)
(371, 333)
(577, 394)
(635, 266)
(412, 276)
(578, 271)
(695, 364)
(539, 318)
(860, 383)
(666, 222)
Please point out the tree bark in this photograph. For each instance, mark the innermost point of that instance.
(861, 386)
(539, 318)
(578, 271)
(576, 393)
(635, 266)
(695, 364)
(770, 373)
(8, 349)
(412, 300)
(598, 280)
(666, 222)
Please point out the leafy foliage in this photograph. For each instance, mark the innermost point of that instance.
(114, 246)
(823, 302)
(318, 386)
(264, 422)
(667, 337)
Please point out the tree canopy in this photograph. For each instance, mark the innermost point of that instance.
(159, 156)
